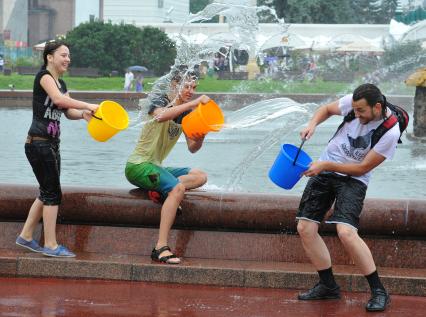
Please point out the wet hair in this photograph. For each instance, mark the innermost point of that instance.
(182, 72)
(50, 48)
(371, 94)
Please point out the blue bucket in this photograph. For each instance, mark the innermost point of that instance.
(283, 173)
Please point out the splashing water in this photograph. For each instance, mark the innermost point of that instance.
(243, 22)
(295, 115)
(262, 111)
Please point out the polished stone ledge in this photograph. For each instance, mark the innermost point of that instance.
(210, 211)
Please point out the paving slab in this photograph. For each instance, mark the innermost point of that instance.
(237, 273)
(29, 297)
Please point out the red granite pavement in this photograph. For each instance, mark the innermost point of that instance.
(56, 297)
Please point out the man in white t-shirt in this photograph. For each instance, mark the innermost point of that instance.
(341, 176)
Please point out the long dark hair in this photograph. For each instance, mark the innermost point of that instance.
(50, 48)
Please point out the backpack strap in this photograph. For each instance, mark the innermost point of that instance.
(348, 118)
(384, 127)
(377, 134)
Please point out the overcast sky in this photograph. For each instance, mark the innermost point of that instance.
(85, 8)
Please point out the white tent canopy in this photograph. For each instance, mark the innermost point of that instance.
(39, 46)
(360, 46)
(416, 32)
(287, 40)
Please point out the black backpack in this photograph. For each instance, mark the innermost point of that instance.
(398, 115)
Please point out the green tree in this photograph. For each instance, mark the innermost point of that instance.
(110, 47)
(402, 52)
(312, 11)
(388, 10)
(157, 49)
(334, 11)
(367, 11)
(197, 5)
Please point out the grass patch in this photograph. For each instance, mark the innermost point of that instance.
(209, 85)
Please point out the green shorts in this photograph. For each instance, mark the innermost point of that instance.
(149, 176)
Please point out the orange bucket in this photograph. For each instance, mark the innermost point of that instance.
(203, 119)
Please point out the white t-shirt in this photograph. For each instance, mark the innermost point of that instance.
(352, 142)
(128, 78)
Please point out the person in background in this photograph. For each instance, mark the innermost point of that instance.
(50, 100)
(128, 80)
(139, 83)
(1, 63)
(340, 177)
(159, 135)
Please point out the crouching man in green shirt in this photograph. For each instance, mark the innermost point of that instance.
(159, 135)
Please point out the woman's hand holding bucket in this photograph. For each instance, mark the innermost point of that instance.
(89, 112)
(108, 119)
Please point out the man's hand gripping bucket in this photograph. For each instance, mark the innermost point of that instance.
(203, 119)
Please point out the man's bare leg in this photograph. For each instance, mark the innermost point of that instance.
(313, 244)
(168, 214)
(195, 178)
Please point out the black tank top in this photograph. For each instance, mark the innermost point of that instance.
(46, 115)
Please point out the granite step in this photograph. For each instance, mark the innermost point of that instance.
(220, 245)
(239, 273)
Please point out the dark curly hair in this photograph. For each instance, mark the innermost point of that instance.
(371, 94)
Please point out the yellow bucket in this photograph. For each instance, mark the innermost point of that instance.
(107, 121)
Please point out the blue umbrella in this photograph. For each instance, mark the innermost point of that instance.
(137, 68)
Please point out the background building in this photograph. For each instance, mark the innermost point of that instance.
(48, 18)
(146, 11)
(14, 22)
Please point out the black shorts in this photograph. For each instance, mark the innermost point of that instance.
(323, 190)
(45, 160)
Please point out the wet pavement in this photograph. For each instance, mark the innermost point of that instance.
(56, 297)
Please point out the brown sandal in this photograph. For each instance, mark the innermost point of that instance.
(155, 255)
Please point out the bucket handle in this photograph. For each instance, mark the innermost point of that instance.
(96, 117)
(298, 151)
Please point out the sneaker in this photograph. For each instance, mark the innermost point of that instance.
(30, 245)
(60, 252)
(320, 291)
(378, 301)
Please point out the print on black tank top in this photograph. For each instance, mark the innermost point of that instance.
(46, 115)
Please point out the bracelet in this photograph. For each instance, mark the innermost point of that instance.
(82, 114)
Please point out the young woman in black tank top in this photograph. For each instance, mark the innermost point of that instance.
(50, 100)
